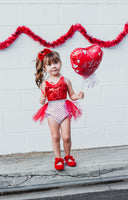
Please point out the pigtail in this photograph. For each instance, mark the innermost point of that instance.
(40, 72)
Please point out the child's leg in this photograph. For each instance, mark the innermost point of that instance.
(54, 128)
(66, 135)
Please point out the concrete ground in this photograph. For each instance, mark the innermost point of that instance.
(34, 172)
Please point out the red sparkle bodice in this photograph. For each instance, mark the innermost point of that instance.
(57, 91)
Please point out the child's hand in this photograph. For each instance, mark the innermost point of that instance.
(81, 95)
(42, 99)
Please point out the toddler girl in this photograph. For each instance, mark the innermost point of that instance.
(58, 109)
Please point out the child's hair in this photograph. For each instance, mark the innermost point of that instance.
(52, 57)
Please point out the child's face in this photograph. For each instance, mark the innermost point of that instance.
(53, 69)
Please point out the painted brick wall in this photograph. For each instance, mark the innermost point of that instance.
(105, 107)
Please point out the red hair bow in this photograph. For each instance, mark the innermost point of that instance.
(44, 53)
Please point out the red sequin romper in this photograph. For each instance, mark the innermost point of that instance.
(57, 107)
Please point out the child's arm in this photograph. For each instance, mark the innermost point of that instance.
(43, 95)
(71, 92)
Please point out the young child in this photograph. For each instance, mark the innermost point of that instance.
(58, 109)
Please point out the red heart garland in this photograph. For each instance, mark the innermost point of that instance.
(85, 61)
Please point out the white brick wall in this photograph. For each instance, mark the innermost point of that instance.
(105, 107)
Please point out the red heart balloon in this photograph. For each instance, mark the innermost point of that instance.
(85, 61)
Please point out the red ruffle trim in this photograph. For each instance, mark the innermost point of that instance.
(73, 110)
(40, 115)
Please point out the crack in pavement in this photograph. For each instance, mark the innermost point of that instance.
(99, 171)
(27, 177)
(106, 171)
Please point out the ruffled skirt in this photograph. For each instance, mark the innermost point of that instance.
(70, 108)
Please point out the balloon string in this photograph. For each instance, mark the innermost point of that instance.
(82, 85)
(63, 38)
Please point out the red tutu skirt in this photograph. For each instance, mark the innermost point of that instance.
(70, 108)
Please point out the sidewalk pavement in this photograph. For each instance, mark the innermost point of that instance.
(35, 171)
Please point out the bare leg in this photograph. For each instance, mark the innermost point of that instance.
(66, 135)
(54, 128)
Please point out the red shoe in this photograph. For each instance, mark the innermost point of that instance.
(70, 163)
(59, 167)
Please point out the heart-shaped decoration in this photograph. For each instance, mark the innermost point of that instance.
(85, 61)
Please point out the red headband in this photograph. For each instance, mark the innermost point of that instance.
(44, 53)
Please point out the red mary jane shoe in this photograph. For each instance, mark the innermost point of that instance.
(70, 163)
(59, 167)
